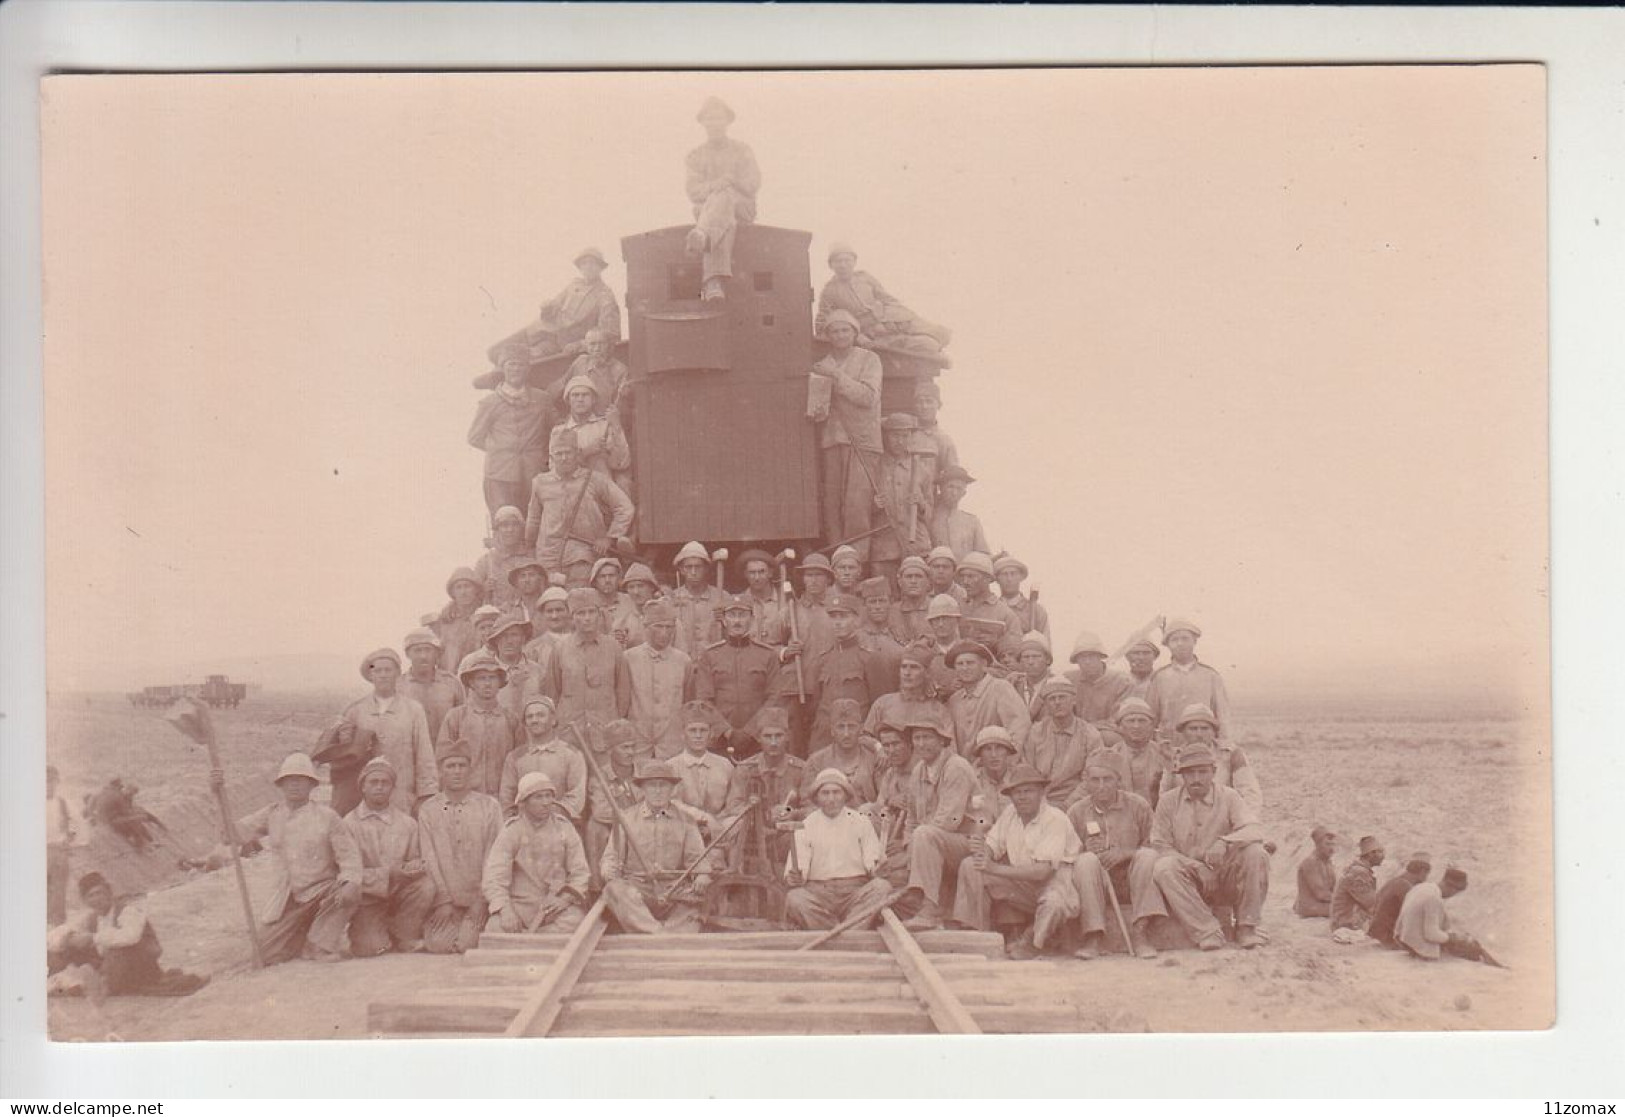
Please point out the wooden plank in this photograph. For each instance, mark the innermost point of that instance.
(640, 1018)
(988, 944)
(691, 992)
(542, 1009)
(723, 966)
(947, 1013)
(411, 1018)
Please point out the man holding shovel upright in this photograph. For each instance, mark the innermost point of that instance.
(536, 876)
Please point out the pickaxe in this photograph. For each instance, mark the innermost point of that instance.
(671, 889)
(720, 558)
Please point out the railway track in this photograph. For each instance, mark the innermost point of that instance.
(742, 983)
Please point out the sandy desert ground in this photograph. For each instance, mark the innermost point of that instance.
(1474, 793)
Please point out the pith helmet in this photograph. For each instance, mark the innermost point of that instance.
(994, 735)
(967, 647)
(1180, 624)
(976, 561)
(380, 653)
(715, 106)
(420, 636)
(297, 764)
(529, 562)
(691, 550)
(942, 605)
(481, 660)
(590, 254)
(533, 782)
(1009, 562)
(1197, 711)
(1087, 643)
(834, 777)
(841, 318)
(461, 574)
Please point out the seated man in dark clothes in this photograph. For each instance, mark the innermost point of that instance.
(118, 944)
(1391, 896)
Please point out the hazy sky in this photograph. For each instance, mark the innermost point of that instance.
(1262, 345)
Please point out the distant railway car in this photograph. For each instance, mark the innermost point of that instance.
(220, 691)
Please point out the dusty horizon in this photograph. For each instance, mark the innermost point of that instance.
(1266, 346)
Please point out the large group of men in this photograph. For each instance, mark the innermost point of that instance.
(882, 722)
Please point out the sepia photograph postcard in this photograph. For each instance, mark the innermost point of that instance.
(796, 553)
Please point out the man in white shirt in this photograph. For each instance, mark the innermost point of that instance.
(831, 871)
(1012, 872)
(118, 946)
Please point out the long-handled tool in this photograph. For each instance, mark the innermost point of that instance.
(787, 602)
(1137, 635)
(874, 491)
(790, 826)
(750, 805)
(720, 558)
(1111, 894)
(191, 717)
(609, 793)
(860, 535)
(856, 919)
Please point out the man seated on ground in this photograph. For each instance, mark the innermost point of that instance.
(1391, 896)
(638, 892)
(1021, 869)
(318, 870)
(891, 809)
(831, 873)
(544, 751)
(773, 777)
(1423, 926)
(1317, 877)
(535, 877)
(116, 946)
(1355, 896)
(395, 887)
(1211, 854)
(940, 791)
(456, 828)
(1115, 828)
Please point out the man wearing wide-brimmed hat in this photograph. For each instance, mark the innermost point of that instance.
(575, 515)
(1211, 855)
(722, 179)
(396, 891)
(485, 722)
(980, 699)
(535, 877)
(318, 872)
(510, 425)
(543, 750)
(770, 617)
(398, 728)
(882, 320)
(951, 526)
(456, 828)
(1020, 870)
(640, 893)
(586, 303)
(836, 854)
(432, 686)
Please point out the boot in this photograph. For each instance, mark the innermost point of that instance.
(1140, 940)
(928, 918)
(1093, 943)
(1247, 937)
(712, 291)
